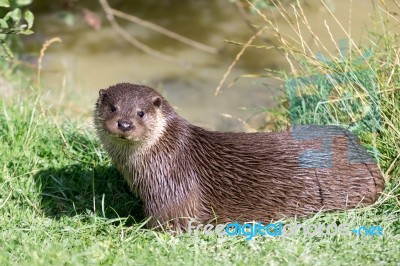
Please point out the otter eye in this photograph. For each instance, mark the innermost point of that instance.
(113, 108)
(140, 114)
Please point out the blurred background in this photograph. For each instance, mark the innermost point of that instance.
(93, 55)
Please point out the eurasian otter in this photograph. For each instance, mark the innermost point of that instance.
(182, 171)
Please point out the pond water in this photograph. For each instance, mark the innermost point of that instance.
(88, 59)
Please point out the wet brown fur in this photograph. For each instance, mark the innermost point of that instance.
(189, 172)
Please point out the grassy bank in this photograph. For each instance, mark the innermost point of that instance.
(61, 202)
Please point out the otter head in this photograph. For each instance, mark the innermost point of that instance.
(133, 113)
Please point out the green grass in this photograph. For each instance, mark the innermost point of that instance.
(61, 202)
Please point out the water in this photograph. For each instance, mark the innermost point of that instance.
(88, 60)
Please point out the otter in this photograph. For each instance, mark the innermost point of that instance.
(183, 172)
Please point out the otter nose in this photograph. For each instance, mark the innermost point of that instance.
(125, 125)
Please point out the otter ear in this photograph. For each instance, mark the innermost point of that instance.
(157, 102)
(101, 94)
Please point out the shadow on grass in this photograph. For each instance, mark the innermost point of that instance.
(80, 189)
